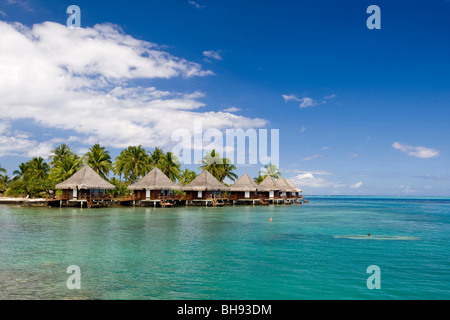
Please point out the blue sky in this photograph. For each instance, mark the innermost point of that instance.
(359, 111)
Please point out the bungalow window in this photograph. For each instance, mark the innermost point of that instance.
(75, 193)
(247, 194)
(200, 194)
(271, 194)
(147, 194)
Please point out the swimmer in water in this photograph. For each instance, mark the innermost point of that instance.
(368, 234)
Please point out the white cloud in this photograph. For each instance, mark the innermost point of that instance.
(309, 180)
(302, 129)
(213, 54)
(356, 185)
(195, 4)
(290, 97)
(14, 143)
(308, 102)
(77, 80)
(17, 143)
(232, 109)
(406, 189)
(332, 96)
(419, 152)
(42, 149)
(316, 156)
(2, 13)
(318, 172)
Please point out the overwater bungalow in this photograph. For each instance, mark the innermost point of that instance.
(85, 186)
(270, 190)
(204, 189)
(298, 192)
(245, 189)
(155, 187)
(286, 191)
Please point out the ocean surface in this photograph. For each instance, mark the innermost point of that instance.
(315, 251)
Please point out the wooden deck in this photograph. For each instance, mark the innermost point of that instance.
(54, 198)
(169, 201)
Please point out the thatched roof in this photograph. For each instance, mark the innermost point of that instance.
(205, 181)
(269, 184)
(293, 186)
(86, 178)
(245, 183)
(284, 187)
(155, 180)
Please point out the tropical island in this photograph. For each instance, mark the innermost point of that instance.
(140, 177)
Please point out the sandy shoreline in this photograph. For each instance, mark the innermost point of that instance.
(7, 200)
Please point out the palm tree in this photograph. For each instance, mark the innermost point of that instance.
(119, 164)
(133, 162)
(259, 178)
(211, 162)
(156, 156)
(187, 176)
(170, 166)
(220, 168)
(2, 169)
(99, 160)
(4, 182)
(33, 177)
(4, 179)
(226, 170)
(270, 170)
(65, 167)
(23, 168)
(38, 169)
(59, 153)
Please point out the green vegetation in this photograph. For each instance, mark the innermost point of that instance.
(32, 179)
(99, 160)
(132, 163)
(220, 168)
(270, 170)
(4, 179)
(170, 166)
(259, 178)
(37, 178)
(64, 164)
(187, 176)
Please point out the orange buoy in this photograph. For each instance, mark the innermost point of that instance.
(270, 219)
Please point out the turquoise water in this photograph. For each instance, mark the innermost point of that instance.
(314, 251)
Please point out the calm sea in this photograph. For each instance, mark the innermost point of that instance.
(316, 251)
